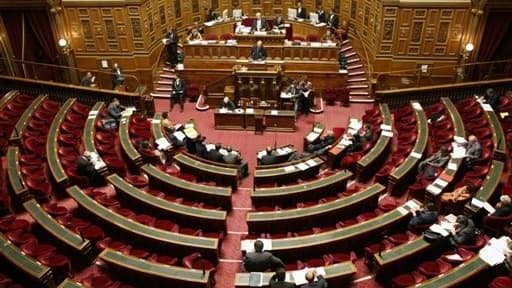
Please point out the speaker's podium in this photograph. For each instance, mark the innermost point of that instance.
(263, 78)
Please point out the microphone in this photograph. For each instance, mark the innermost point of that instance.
(200, 258)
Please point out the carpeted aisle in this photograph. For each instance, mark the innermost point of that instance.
(249, 144)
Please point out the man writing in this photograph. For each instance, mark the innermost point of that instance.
(178, 92)
(258, 52)
(115, 109)
(259, 261)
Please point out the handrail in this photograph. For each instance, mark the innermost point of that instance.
(368, 65)
(76, 69)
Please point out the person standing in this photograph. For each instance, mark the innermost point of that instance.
(259, 24)
(178, 92)
(333, 21)
(172, 46)
(259, 260)
(117, 76)
(258, 52)
(301, 11)
(322, 17)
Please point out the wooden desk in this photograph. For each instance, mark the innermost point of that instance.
(403, 174)
(337, 275)
(229, 120)
(7, 97)
(18, 188)
(325, 213)
(182, 244)
(498, 136)
(488, 188)
(63, 234)
(458, 275)
(287, 174)
(372, 161)
(23, 120)
(180, 213)
(39, 272)
(218, 196)
(251, 39)
(52, 146)
(90, 131)
(459, 131)
(144, 271)
(313, 136)
(126, 143)
(219, 174)
(251, 117)
(348, 237)
(402, 255)
(69, 283)
(280, 120)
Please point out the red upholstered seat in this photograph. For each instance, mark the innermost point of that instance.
(107, 200)
(346, 223)
(193, 91)
(345, 96)
(34, 249)
(41, 190)
(75, 118)
(312, 38)
(408, 279)
(365, 216)
(226, 36)
(477, 172)
(191, 231)
(376, 247)
(93, 233)
(501, 282)
(59, 263)
(124, 212)
(107, 149)
(210, 37)
(105, 137)
(163, 259)
(99, 281)
(14, 224)
(137, 180)
(115, 165)
(196, 261)
(51, 106)
(139, 253)
(434, 268)
(496, 224)
(464, 254)
(55, 209)
(80, 108)
(145, 219)
(19, 237)
(35, 145)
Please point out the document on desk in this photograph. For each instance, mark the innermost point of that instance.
(249, 111)
(311, 163)
(179, 135)
(210, 147)
(274, 112)
(318, 130)
(438, 229)
(417, 106)
(385, 127)
(261, 154)
(302, 166)
(191, 133)
(386, 133)
(434, 189)
(256, 279)
(477, 202)
(416, 155)
(491, 255)
(489, 208)
(312, 136)
(289, 168)
(163, 144)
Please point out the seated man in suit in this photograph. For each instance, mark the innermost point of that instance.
(210, 16)
(504, 207)
(301, 11)
(260, 261)
(87, 80)
(259, 24)
(278, 280)
(258, 52)
(85, 167)
(464, 232)
(473, 151)
(178, 92)
(427, 168)
(176, 143)
(310, 277)
(358, 139)
(215, 155)
(200, 148)
(323, 144)
(269, 158)
(115, 109)
(228, 104)
(428, 215)
(233, 157)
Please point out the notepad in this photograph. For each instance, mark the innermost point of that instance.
(386, 133)
(302, 166)
(163, 144)
(417, 106)
(433, 189)
(416, 155)
(256, 279)
(289, 168)
(487, 107)
(311, 162)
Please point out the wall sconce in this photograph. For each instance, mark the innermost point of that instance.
(467, 50)
(64, 44)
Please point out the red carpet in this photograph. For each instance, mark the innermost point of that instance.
(249, 144)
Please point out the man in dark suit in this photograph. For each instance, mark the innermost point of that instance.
(87, 80)
(178, 92)
(172, 46)
(258, 52)
(259, 24)
(234, 158)
(210, 16)
(176, 143)
(115, 109)
(323, 144)
(85, 167)
(322, 17)
(473, 151)
(333, 21)
(259, 261)
(269, 158)
(215, 155)
(464, 233)
(117, 77)
(301, 11)
(228, 104)
(278, 280)
(310, 277)
(200, 148)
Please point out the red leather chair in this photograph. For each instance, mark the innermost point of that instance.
(226, 37)
(107, 201)
(163, 259)
(125, 212)
(20, 237)
(437, 108)
(483, 133)
(403, 112)
(464, 254)
(191, 231)
(480, 242)
(80, 108)
(408, 279)
(55, 209)
(139, 253)
(312, 38)
(34, 249)
(501, 282)
(99, 281)
(345, 96)
(11, 224)
(92, 232)
(60, 264)
(365, 216)
(298, 39)
(75, 118)
(35, 145)
(115, 165)
(346, 223)
(376, 247)
(24, 98)
(116, 245)
(145, 219)
(382, 175)
(137, 180)
(495, 224)
(30, 160)
(477, 172)
(434, 268)
(196, 261)
(210, 37)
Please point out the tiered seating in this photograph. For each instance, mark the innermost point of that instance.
(306, 169)
(105, 140)
(194, 165)
(126, 141)
(12, 106)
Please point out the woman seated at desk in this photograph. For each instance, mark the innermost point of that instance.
(194, 35)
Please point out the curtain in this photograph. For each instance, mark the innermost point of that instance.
(42, 30)
(13, 24)
(495, 31)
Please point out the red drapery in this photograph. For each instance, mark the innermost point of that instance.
(41, 28)
(497, 26)
(14, 24)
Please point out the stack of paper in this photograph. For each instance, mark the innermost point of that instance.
(311, 163)
(256, 279)
(302, 166)
(289, 168)
(191, 133)
(261, 154)
(179, 135)
(312, 136)
(434, 189)
(163, 144)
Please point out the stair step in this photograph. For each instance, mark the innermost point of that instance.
(356, 73)
(160, 95)
(353, 60)
(362, 86)
(357, 79)
(167, 69)
(350, 54)
(352, 67)
(167, 75)
(163, 88)
(346, 48)
(164, 82)
(359, 93)
(345, 42)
